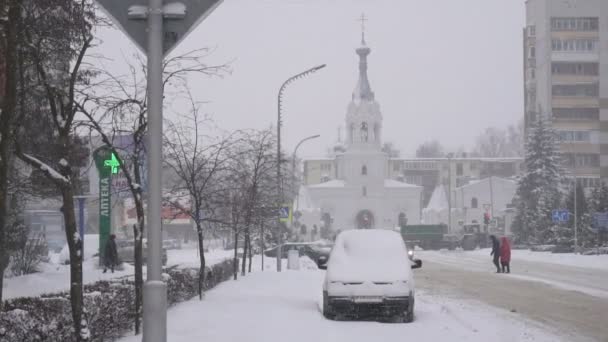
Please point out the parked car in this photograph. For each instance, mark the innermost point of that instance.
(318, 252)
(369, 275)
(126, 252)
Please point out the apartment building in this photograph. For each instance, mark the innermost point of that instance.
(566, 80)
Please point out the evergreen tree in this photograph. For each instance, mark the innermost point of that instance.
(540, 187)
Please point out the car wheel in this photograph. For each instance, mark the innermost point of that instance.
(327, 309)
(409, 315)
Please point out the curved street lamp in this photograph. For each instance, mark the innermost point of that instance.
(293, 165)
(279, 123)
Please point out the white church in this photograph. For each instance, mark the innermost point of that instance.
(360, 194)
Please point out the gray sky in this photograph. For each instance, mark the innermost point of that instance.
(442, 69)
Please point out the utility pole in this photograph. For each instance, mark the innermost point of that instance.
(449, 193)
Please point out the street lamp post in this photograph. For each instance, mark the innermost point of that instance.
(279, 122)
(293, 165)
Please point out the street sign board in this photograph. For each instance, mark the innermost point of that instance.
(285, 213)
(560, 215)
(600, 221)
(180, 18)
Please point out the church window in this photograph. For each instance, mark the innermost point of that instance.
(352, 133)
(364, 191)
(376, 133)
(364, 132)
(364, 170)
(474, 203)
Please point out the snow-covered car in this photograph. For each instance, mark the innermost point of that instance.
(369, 275)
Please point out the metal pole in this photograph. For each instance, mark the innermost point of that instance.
(575, 217)
(279, 123)
(293, 168)
(491, 198)
(449, 194)
(280, 191)
(155, 290)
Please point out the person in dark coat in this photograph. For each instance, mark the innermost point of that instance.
(495, 252)
(505, 254)
(110, 254)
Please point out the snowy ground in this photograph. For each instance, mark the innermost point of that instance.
(55, 277)
(286, 306)
(583, 273)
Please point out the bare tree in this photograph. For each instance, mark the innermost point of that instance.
(430, 149)
(197, 160)
(56, 37)
(117, 105)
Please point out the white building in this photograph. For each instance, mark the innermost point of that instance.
(361, 193)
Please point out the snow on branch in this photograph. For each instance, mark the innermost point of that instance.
(56, 176)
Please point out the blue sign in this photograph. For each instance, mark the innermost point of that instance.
(284, 212)
(559, 216)
(600, 221)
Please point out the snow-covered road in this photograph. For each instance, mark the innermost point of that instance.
(585, 274)
(571, 299)
(270, 306)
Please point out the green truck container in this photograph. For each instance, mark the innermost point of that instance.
(427, 236)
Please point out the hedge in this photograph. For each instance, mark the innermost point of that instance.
(109, 306)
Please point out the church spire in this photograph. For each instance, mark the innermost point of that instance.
(363, 90)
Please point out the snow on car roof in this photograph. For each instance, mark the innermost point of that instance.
(369, 255)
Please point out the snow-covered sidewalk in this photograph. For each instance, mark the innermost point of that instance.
(286, 306)
(55, 277)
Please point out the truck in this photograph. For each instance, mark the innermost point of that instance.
(428, 236)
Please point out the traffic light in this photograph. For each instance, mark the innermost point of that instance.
(486, 218)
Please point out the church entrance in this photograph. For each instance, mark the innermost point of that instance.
(365, 219)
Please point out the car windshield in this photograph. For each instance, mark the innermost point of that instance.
(264, 170)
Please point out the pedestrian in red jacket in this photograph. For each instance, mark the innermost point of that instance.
(505, 254)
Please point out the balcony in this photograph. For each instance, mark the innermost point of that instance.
(575, 56)
(570, 79)
(575, 102)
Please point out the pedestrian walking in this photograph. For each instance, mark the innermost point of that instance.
(495, 252)
(111, 254)
(505, 254)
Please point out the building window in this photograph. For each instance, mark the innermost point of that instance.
(574, 24)
(574, 45)
(576, 113)
(364, 191)
(574, 68)
(324, 179)
(581, 160)
(325, 167)
(575, 136)
(532, 52)
(584, 90)
(459, 169)
(474, 203)
(531, 31)
(364, 170)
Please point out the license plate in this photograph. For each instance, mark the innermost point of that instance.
(371, 299)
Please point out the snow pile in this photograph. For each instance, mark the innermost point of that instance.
(91, 248)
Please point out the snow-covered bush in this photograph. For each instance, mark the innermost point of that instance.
(109, 307)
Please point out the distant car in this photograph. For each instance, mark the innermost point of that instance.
(369, 275)
(126, 252)
(318, 252)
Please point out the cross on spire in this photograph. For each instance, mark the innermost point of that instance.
(362, 19)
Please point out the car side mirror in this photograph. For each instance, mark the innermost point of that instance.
(417, 264)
